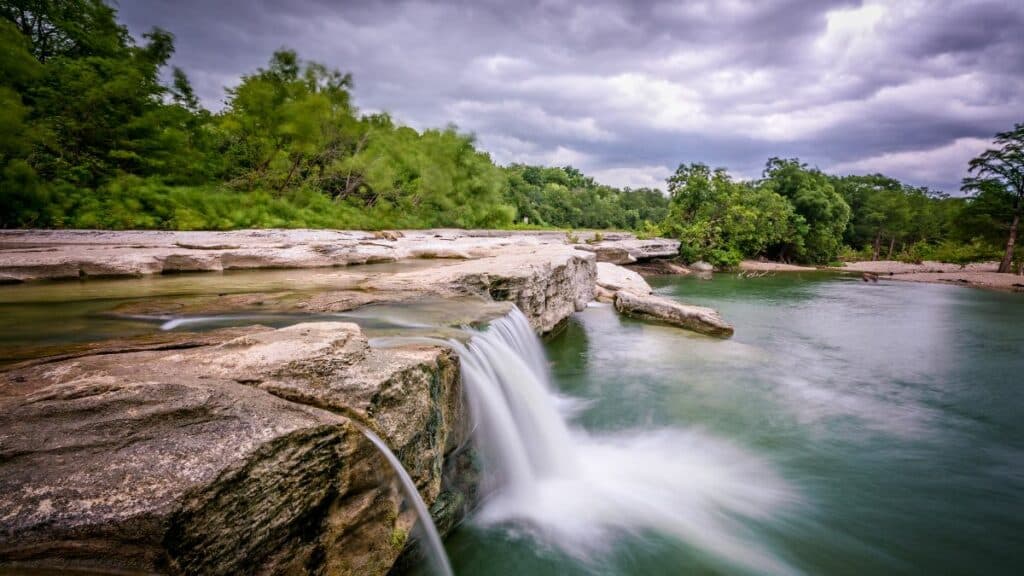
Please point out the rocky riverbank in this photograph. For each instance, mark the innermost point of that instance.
(236, 450)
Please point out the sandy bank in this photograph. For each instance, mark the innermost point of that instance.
(758, 266)
(928, 267)
(976, 274)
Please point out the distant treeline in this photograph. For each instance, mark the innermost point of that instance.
(95, 132)
(796, 213)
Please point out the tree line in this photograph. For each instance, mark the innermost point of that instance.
(796, 213)
(96, 132)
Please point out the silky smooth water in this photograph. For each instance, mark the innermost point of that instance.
(847, 428)
(433, 547)
(41, 318)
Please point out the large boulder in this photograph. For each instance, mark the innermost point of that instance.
(695, 318)
(240, 457)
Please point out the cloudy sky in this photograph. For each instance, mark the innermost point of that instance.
(628, 90)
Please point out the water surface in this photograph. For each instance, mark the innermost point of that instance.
(890, 413)
(39, 318)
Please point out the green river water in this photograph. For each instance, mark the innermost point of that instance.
(892, 412)
(883, 423)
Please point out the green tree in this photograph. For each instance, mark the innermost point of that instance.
(67, 28)
(722, 221)
(999, 172)
(823, 211)
(287, 123)
(567, 198)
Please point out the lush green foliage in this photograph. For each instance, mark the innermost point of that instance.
(997, 176)
(566, 198)
(721, 221)
(821, 213)
(94, 133)
(90, 137)
(890, 216)
(793, 213)
(801, 214)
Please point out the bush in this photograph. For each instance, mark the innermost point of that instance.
(847, 254)
(648, 231)
(952, 252)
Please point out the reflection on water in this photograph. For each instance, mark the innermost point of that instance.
(40, 317)
(892, 411)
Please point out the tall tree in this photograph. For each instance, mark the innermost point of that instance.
(1002, 168)
(722, 221)
(823, 210)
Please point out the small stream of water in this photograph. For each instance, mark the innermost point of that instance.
(434, 547)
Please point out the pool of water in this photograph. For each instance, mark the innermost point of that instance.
(39, 318)
(889, 416)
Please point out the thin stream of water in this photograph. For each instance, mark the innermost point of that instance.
(434, 547)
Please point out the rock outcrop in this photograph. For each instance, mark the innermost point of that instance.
(612, 278)
(633, 296)
(233, 458)
(238, 450)
(649, 307)
(547, 282)
(63, 254)
(627, 249)
(611, 254)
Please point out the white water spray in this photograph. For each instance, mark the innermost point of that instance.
(577, 491)
(434, 547)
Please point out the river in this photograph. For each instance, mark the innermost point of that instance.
(847, 428)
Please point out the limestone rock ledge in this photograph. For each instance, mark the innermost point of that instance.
(649, 307)
(239, 457)
(547, 282)
(27, 255)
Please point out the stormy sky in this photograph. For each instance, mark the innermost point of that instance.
(628, 90)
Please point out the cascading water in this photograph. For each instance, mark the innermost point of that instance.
(576, 490)
(434, 547)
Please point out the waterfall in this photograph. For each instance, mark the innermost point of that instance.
(518, 429)
(580, 491)
(435, 549)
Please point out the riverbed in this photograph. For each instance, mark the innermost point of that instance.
(847, 428)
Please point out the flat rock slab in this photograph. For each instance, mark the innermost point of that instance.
(62, 254)
(236, 457)
(613, 278)
(626, 248)
(660, 267)
(695, 318)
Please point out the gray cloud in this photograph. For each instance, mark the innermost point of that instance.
(627, 90)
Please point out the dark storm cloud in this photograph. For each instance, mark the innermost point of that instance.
(627, 90)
